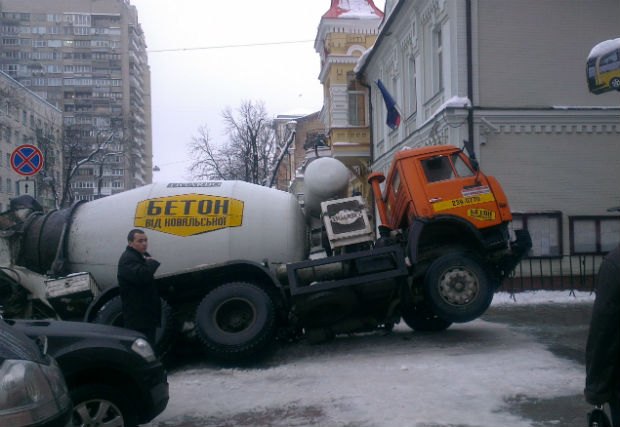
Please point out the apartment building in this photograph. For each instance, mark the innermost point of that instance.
(26, 118)
(510, 78)
(88, 58)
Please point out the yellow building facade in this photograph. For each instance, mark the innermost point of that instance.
(346, 31)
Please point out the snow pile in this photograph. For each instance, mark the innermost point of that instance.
(542, 297)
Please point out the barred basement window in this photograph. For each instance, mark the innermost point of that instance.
(545, 229)
(593, 234)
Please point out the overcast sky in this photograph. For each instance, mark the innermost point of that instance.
(194, 76)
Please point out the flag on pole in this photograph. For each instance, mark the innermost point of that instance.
(393, 116)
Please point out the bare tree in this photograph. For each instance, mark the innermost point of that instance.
(80, 149)
(247, 155)
(48, 179)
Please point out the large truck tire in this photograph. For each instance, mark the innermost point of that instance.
(111, 313)
(422, 319)
(236, 322)
(458, 288)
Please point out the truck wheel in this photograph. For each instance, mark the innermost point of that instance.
(111, 313)
(418, 315)
(458, 288)
(421, 318)
(100, 404)
(236, 321)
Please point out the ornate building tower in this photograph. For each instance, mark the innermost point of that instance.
(345, 32)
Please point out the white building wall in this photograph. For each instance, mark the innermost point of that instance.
(551, 143)
(570, 172)
(532, 53)
(567, 173)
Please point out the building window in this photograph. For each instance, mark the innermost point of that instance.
(412, 97)
(356, 100)
(83, 20)
(81, 31)
(546, 231)
(357, 110)
(593, 234)
(438, 61)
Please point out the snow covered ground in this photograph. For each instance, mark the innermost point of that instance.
(465, 376)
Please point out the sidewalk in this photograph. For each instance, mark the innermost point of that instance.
(520, 365)
(563, 328)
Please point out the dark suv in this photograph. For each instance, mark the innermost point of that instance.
(33, 392)
(112, 373)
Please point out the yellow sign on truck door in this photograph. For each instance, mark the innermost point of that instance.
(189, 214)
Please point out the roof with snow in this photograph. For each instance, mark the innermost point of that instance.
(353, 9)
(604, 47)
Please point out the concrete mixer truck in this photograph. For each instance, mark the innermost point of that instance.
(235, 264)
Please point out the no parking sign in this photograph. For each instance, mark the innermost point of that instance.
(27, 160)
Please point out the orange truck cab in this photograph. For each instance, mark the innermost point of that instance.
(444, 207)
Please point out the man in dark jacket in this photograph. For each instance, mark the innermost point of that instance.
(141, 303)
(603, 346)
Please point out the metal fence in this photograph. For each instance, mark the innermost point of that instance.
(573, 273)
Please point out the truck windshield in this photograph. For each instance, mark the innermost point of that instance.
(437, 169)
(462, 169)
(442, 168)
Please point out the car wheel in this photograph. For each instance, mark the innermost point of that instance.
(236, 321)
(111, 313)
(615, 83)
(457, 288)
(99, 405)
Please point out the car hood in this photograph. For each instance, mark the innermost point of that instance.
(17, 346)
(63, 328)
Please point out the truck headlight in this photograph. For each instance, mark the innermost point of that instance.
(30, 393)
(144, 349)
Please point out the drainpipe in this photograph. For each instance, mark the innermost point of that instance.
(373, 200)
(370, 128)
(470, 79)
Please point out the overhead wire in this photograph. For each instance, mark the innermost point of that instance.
(181, 49)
